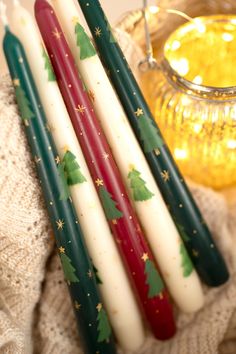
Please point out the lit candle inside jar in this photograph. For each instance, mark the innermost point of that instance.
(198, 121)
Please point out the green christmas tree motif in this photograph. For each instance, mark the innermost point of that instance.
(48, 66)
(109, 204)
(72, 169)
(154, 280)
(148, 133)
(97, 277)
(104, 328)
(64, 189)
(140, 191)
(69, 270)
(186, 262)
(182, 233)
(109, 29)
(87, 49)
(23, 104)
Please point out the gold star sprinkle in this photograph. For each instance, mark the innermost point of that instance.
(65, 148)
(99, 307)
(114, 222)
(60, 224)
(75, 20)
(57, 159)
(16, 82)
(161, 296)
(37, 159)
(165, 175)
(195, 253)
(131, 167)
(145, 257)
(139, 112)
(91, 95)
(157, 152)
(90, 274)
(99, 182)
(81, 109)
(106, 156)
(77, 305)
(61, 249)
(56, 34)
(98, 32)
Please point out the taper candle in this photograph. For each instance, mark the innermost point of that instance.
(168, 249)
(119, 212)
(198, 240)
(90, 314)
(113, 282)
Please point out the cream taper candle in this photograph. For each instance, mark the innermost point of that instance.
(116, 291)
(170, 252)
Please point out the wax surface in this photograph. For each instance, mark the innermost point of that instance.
(169, 251)
(197, 238)
(119, 212)
(114, 285)
(90, 314)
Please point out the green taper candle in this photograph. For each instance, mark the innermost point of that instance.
(91, 317)
(207, 259)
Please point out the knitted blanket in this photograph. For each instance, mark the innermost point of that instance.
(35, 310)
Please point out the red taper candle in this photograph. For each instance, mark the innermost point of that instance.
(119, 212)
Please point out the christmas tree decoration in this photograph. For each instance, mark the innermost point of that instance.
(109, 204)
(72, 169)
(186, 261)
(152, 212)
(140, 191)
(109, 29)
(104, 328)
(86, 47)
(65, 192)
(24, 106)
(48, 67)
(210, 263)
(122, 308)
(154, 280)
(68, 234)
(69, 270)
(126, 229)
(98, 279)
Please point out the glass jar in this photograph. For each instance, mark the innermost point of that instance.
(193, 98)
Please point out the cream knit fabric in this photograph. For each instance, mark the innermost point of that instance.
(35, 310)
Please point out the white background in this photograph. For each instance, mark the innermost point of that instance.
(113, 8)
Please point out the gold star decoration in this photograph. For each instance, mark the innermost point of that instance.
(161, 296)
(61, 249)
(131, 167)
(75, 20)
(81, 109)
(90, 274)
(106, 156)
(99, 182)
(91, 95)
(60, 224)
(77, 305)
(56, 33)
(99, 307)
(21, 60)
(114, 221)
(157, 152)
(145, 257)
(57, 159)
(37, 159)
(195, 253)
(139, 112)
(165, 175)
(65, 148)
(16, 82)
(98, 32)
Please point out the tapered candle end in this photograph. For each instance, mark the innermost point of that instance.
(217, 276)
(41, 5)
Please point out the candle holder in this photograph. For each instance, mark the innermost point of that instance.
(192, 93)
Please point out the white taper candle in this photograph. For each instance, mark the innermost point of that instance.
(171, 255)
(115, 288)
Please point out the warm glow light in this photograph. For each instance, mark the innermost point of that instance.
(231, 144)
(154, 9)
(200, 131)
(180, 154)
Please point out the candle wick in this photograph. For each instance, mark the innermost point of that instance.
(3, 14)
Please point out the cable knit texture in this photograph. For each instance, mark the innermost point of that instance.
(35, 309)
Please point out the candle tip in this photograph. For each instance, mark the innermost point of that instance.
(3, 14)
